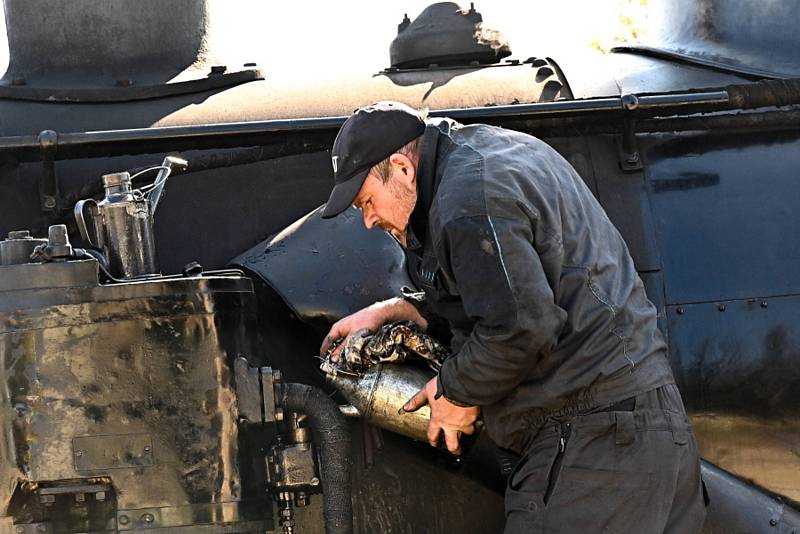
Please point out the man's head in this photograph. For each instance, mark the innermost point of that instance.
(375, 158)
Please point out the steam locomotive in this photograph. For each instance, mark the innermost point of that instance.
(157, 369)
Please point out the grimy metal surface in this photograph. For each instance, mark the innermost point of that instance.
(127, 386)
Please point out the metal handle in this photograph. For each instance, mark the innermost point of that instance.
(81, 222)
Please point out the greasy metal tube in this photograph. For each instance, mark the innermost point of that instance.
(332, 436)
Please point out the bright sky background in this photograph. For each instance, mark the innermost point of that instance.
(326, 39)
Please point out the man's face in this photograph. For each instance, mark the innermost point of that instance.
(389, 205)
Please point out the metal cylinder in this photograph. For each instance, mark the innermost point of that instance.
(127, 225)
(380, 394)
(18, 247)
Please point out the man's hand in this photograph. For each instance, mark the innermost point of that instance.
(445, 416)
(370, 319)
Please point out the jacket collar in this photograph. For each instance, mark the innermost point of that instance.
(427, 183)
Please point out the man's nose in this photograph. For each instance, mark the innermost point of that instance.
(370, 220)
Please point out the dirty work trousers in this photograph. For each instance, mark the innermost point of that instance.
(630, 467)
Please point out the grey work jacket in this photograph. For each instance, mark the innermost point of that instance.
(548, 314)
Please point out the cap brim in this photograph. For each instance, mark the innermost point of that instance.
(343, 195)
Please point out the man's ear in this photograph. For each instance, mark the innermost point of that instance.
(405, 167)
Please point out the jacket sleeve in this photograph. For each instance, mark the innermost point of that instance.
(504, 290)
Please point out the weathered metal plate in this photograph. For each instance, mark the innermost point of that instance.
(93, 453)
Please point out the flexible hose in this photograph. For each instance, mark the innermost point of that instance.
(332, 436)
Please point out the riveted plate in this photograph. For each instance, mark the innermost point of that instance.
(92, 453)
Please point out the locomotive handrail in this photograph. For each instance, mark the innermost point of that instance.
(748, 96)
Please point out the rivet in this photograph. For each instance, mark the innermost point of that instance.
(147, 448)
(123, 520)
(721, 307)
(148, 518)
(680, 311)
(764, 304)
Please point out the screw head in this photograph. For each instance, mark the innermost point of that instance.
(721, 307)
(773, 522)
(124, 520)
(764, 304)
(148, 518)
(49, 202)
(680, 311)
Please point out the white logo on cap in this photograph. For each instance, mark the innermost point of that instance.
(333, 160)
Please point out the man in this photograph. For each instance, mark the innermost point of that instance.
(554, 339)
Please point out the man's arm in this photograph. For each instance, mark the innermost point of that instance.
(371, 318)
(504, 289)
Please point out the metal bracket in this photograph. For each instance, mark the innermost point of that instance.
(49, 196)
(630, 160)
(255, 390)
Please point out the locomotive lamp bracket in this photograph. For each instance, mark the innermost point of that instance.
(630, 159)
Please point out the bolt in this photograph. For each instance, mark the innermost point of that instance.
(680, 311)
(148, 518)
(49, 202)
(57, 234)
(773, 522)
(629, 102)
(124, 520)
(764, 304)
(721, 307)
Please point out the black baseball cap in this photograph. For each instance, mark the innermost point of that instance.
(370, 135)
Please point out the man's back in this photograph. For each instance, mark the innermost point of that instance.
(545, 277)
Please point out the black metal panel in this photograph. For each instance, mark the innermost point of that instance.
(736, 363)
(755, 37)
(345, 267)
(624, 197)
(726, 214)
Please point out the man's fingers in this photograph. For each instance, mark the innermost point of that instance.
(469, 429)
(416, 402)
(336, 355)
(433, 434)
(451, 440)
